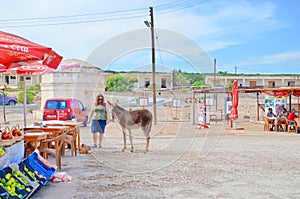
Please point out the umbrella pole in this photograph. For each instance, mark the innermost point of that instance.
(24, 100)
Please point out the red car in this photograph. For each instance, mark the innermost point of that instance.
(65, 109)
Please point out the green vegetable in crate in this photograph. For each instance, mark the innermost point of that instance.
(2, 151)
(19, 175)
(31, 174)
(10, 185)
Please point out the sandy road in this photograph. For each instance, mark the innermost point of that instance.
(185, 162)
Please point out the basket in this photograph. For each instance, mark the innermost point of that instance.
(9, 142)
(18, 138)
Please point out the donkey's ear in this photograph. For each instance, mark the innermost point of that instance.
(109, 102)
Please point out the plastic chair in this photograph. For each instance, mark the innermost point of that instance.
(297, 120)
(291, 126)
(71, 139)
(268, 125)
(282, 123)
(45, 148)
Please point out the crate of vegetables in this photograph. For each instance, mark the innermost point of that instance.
(32, 174)
(13, 186)
(41, 165)
(14, 168)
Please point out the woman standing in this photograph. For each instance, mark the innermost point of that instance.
(99, 117)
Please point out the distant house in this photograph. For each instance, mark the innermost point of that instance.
(270, 81)
(13, 80)
(162, 80)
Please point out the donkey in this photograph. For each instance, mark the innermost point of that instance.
(131, 120)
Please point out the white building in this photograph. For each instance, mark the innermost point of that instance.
(269, 81)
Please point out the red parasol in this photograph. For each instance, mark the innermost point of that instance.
(235, 100)
(33, 68)
(21, 56)
(15, 49)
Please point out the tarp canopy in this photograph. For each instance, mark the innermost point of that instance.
(276, 92)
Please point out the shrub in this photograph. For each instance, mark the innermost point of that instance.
(29, 97)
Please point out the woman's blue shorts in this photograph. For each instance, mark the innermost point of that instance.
(98, 126)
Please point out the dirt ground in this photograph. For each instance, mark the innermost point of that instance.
(184, 162)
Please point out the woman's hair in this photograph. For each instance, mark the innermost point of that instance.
(97, 102)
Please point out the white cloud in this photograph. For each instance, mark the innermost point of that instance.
(213, 25)
(286, 58)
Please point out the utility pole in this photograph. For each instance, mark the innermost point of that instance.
(215, 71)
(151, 25)
(235, 68)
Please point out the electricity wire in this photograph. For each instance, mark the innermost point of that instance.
(105, 16)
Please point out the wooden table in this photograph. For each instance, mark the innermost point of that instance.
(71, 124)
(53, 130)
(35, 137)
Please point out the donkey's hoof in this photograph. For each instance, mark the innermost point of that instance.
(131, 150)
(123, 150)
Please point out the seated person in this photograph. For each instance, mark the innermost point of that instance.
(291, 117)
(270, 113)
(281, 118)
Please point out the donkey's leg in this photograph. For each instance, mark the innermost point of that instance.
(147, 144)
(131, 142)
(124, 139)
(147, 138)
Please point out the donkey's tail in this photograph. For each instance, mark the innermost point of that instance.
(149, 125)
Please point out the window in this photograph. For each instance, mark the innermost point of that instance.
(55, 104)
(291, 83)
(163, 83)
(271, 84)
(252, 83)
(147, 82)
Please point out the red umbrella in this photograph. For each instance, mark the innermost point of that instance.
(17, 52)
(32, 68)
(235, 100)
(15, 49)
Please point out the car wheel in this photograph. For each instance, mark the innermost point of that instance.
(11, 103)
(85, 122)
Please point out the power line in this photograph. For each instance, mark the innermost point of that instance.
(108, 16)
(72, 22)
(185, 7)
(71, 16)
(158, 47)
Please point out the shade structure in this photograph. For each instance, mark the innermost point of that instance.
(235, 101)
(33, 68)
(21, 56)
(14, 49)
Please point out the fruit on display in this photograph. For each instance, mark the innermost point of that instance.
(19, 175)
(6, 135)
(2, 151)
(16, 132)
(11, 185)
(34, 175)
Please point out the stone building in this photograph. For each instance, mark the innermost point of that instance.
(270, 81)
(82, 83)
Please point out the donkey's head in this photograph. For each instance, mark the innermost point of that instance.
(114, 109)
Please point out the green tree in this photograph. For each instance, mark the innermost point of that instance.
(188, 79)
(120, 83)
(29, 97)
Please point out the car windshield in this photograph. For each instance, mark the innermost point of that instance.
(56, 104)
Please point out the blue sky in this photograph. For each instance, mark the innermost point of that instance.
(254, 36)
